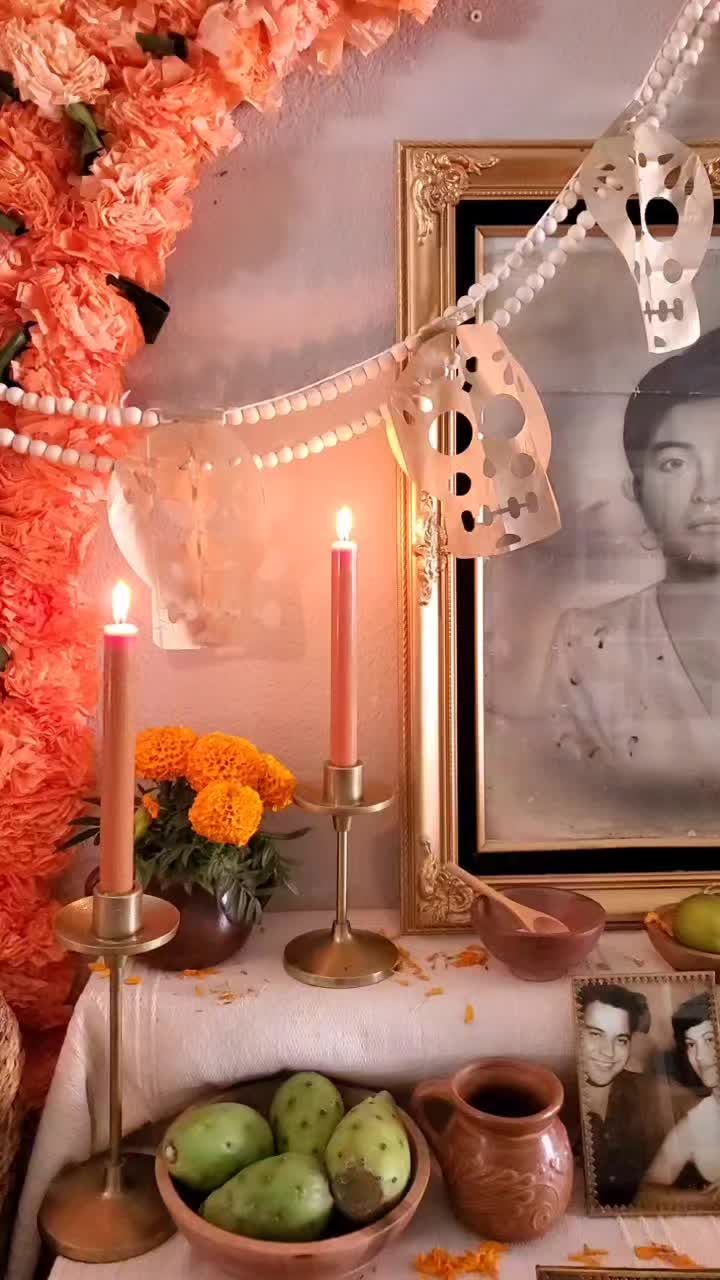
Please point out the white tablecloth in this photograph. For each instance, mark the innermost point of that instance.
(434, 1226)
(185, 1036)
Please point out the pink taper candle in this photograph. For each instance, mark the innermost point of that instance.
(117, 799)
(343, 646)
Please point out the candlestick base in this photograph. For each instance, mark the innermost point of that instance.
(90, 1216)
(109, 1208)
(340, 958)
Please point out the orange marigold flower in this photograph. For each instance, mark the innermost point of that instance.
(221, 757)
(152, 806)
(226, 812)
(276, 784)
(162, 754)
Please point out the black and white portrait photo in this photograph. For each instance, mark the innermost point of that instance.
(601, 655)
(649, 1087)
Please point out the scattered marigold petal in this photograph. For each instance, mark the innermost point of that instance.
(469, 1014)
(402, 982)
(199, 991)
(469, 958)
(207, 973)
(133, 982)
(98, 966)
(665, 1253)
(483, 1261)
(190, 973)
(434, 991)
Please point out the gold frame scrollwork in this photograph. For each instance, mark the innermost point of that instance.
(432, 180)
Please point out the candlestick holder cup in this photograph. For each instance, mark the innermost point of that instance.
(342, 957)
(109, 1209)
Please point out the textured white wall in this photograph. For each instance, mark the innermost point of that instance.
(287, 274)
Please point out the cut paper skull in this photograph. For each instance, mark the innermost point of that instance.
(651, 164)
(472, 431)
(185, 509)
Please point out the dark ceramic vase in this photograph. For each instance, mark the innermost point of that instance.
(205, 937)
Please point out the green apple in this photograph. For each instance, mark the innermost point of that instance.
(696, 922)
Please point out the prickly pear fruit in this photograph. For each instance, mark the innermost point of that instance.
(368, 1159)
(283, 1198)
(206, 1147)
(305, 1112)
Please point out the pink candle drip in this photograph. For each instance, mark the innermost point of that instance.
(343, 646)
(117, 801)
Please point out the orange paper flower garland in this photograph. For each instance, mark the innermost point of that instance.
(161, 120)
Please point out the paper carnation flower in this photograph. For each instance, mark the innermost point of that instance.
(276, 784)
(162, 754)
(49, 65)
(221, 757)
(226, 813)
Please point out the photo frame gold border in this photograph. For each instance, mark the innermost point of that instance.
(626, 1273)
(632, 980)
(432, 179)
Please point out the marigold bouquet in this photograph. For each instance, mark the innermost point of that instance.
(201, 803)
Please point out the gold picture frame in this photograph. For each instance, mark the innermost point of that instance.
(434, 180)
(653, 1101)
(626, 1273)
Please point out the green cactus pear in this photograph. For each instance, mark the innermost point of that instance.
(285, 1198)
(305, 1112)
(207, 1146)
(368, 1159)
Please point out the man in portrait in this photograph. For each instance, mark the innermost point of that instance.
(618, 1104)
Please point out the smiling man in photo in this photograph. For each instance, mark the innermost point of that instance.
(619, 1101)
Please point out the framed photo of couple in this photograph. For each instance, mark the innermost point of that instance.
(561, 706)
(649, 1085)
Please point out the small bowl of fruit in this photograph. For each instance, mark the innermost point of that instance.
(687, 933)
(296, 1178)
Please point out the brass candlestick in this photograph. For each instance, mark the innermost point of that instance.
(109, 1209)
(340, 957)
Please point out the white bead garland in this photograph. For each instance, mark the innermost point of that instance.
(678, 56)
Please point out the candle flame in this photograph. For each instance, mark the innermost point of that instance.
(344, 524)
(121, 597)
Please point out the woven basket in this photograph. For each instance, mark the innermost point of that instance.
(11, 1063)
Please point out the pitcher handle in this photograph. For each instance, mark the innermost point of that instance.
(432, 1091)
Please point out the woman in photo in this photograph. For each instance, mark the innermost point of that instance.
(620, 1112)
(636, 683)
(689, 1158)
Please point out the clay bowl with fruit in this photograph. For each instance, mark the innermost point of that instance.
(293, 1193)
(687, 934)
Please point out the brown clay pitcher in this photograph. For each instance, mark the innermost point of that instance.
(503, 1150)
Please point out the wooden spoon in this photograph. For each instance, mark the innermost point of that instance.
(532, 920)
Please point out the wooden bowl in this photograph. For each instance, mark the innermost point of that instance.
(342, 1255)
(539, 957)
(678, 956)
